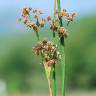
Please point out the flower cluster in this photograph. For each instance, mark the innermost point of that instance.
(69, 17)
(32, 19)
(28, 13)
(48, 51)
(62, 32)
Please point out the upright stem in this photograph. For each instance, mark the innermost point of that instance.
(53, 67)
(48, 75)
(62, 50)
(59, 5)
(59, 9)
(50, 87)
(53, 81)
(55, 8)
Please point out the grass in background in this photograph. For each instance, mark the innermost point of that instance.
(17, 63)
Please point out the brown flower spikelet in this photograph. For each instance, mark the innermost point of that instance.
(49, 52)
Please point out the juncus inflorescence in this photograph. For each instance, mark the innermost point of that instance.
(46, 49)
(39, 23)
(49, 52)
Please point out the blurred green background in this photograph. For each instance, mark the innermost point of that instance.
(20, 70)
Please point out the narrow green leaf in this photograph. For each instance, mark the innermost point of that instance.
(61, 49)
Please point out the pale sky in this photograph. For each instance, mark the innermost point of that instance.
(80, 6)
(10, 9)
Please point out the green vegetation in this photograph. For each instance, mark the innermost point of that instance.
(22, 70)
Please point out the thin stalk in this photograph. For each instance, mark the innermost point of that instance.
(61, 47)
(59, 9)
(53, 67)
(54, 17)
(53, 81)
(37, 35)
(48, 75)
(50, 87)
(55, 10)
(62, 69)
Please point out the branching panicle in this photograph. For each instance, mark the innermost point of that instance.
(48, 50)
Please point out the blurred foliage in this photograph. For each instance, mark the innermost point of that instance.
(81, 54)
(22, 71)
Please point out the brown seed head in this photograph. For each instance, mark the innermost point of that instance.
(30, 24)
(42, 23)
(25, 12)
(48, 18)
(51, 62)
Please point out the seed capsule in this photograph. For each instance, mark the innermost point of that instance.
(30, 24)
(51, 62)
(35, 28)
(25, 12)
(53, 27)
(48, 18)
(62, 32)
(41, 23)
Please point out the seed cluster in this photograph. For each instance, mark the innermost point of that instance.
(48, 51)
(68, 16)
(28, 13)
(62, 32)
(39, 23)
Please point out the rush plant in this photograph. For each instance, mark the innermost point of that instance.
(50, 51)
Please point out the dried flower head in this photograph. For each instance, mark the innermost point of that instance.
(49, 52)
(25, 12)
(54, 27)
(42, 22)
(35, 28)
(36, 13)
(70, 17)
(48, 18)
(62, 32)
(30, 24)
(63, 13)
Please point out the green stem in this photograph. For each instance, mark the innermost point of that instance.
(48, 75)
(59, 5)
(59, 9)
(62, 68)
(61, 46)
(53, 67)
(37, 35)
(53, 81)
